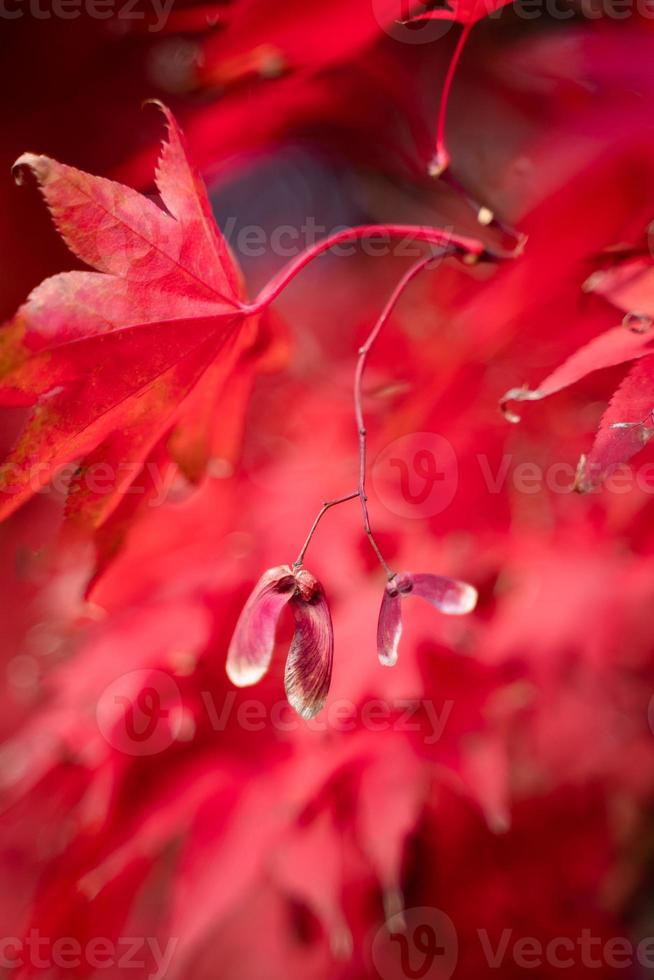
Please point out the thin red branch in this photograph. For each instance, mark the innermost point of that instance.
(364, 350)
(441, 160)
(416, 233)
(323, 510)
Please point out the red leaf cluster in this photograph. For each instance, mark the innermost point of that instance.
(483, 808)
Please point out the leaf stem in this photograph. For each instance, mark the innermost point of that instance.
(441, 160)
(417, 233)
(323, 510)
(439, 166)
(364, 350)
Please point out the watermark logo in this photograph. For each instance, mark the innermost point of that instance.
(154, 13)
(418, 944)
(422, 944)
(140, 713)
(66, 955)
(417, 475)
(400, 19)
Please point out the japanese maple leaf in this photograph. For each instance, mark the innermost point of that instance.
(613, 347)
(111, 361)
(626, 426)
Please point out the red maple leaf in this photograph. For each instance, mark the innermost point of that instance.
(626, 426)
(107, 360)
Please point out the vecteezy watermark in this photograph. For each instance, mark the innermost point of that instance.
(97, 478)
(39, 952)
(408, 21)
(565, 952)
(418, 716)
(153, 13)
(417, 943)
(251, 241)
(141, 713)
(401, 20)
(423, 943)
(416, 475)
(288, 241)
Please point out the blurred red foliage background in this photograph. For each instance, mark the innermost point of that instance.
(496, 785)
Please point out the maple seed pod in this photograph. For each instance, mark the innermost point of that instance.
(309, 663)
(448, 596)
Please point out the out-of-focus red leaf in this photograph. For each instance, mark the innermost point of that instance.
(616, 346)
(629, 286)
(626, 426)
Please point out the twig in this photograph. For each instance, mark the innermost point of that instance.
(323, 510)
(417, 233)
(441, 160)
(364, 350)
